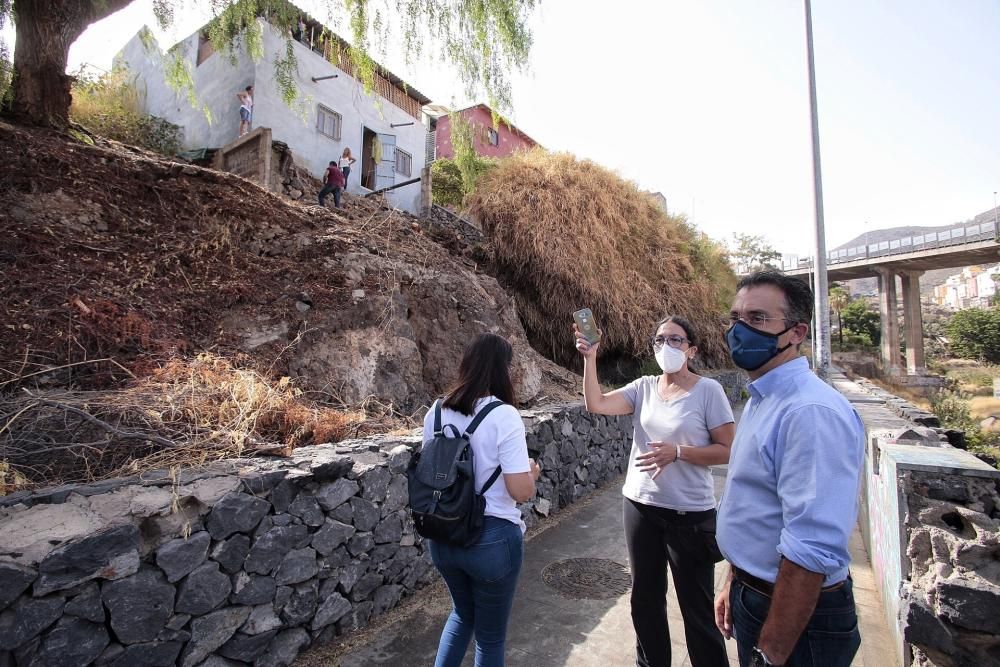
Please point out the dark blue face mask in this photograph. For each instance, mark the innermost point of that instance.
(752, 348)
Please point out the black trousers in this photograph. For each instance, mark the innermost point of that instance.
(659, 539)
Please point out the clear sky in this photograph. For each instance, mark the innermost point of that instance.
(707, 102)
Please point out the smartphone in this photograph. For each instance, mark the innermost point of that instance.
(585, 323)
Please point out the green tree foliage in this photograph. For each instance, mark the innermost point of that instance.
(483, 39)
(860, 320)
(953, 411)
(974, 333)
(750, 252)
(109, 105)
(446, 183)
(840, 298)
(471, 165)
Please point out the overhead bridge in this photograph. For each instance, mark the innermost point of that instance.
(908, 258)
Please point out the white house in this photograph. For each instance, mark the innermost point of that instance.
(386, 132)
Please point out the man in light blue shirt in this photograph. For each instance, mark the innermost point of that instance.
(791, 497)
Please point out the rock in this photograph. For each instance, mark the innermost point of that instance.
(365, 586)
(283, 495)
(332, 494)
(302, 306)
(231, 553)
(302, 605)
(87, 604)
(970, 603)
(350, 576)
(543, 506)
(399, 459)
(26, 618)
(108, 554)
(179, 557)
(387, 597)
(110, 654)
(920, 626)
(247, 647)
(357, 617)
(270, 548)
(389, 530)
(327, 467)
(298, 565)
(219, 661)
(307, 508)
(252, 589)
(397, 495)
(150, 654)
(14, 580)
(140, 605)
(331, 611)
(357, 294)
(374, 483)
(284, 648)
(211, 631)
(360, 543)
(331, 535)
(366, 514)
(72, 642)
(236, 513)
(203, 590)
(262, 619)
(167, 635)
(178, 621)
(384, 552)
(343, 514)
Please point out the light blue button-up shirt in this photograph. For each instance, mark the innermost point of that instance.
(794, 476)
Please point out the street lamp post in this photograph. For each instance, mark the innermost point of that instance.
(821, 329)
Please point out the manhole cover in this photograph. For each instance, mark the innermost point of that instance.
(587, 578)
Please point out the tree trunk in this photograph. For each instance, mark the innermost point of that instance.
(840, 330)
(45, 31)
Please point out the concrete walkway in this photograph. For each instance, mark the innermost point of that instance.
(549, 630)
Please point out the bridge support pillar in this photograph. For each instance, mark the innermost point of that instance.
(887, 307)
(913, 323)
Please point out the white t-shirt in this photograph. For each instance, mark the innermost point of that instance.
(685, 420)
(498, 440)
(345, 162)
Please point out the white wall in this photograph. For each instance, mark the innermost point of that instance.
(216, 82)
(296, 126)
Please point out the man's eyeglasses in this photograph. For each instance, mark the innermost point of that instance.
(757, 320)
(673, 341)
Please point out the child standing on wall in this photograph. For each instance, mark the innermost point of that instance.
(246, 109)
(334, 182)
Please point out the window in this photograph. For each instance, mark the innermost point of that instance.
(205, 48)
(328, 122)
(404, 162)
(493, 137)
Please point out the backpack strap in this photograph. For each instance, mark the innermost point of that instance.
(437, 419)
(480, 416)
(489, 482)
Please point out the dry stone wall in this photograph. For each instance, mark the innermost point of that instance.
(244, 562)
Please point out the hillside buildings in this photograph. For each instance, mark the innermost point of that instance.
(387, 133)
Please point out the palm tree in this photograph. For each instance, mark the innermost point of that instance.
(839, 298)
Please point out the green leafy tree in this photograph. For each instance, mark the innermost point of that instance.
(840, 298)
(974, 333)
(860, 320)
(446, 183)
(750, 252)
(483, 39)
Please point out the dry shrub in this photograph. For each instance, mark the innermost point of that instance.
(187, 412)
(566, 234)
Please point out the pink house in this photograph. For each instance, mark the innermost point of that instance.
(489, 141)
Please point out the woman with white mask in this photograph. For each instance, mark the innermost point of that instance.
(683, 424)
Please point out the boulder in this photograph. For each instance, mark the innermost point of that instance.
(179, 557)
(203, 590)
(72, 642)
(14, 580)
(236, 513)
(112, 553)
(140, 605)
(211, 631)
(25, 619)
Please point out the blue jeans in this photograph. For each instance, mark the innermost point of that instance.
(347, 172)
(830, 639)
(482, 580)
(327, 189)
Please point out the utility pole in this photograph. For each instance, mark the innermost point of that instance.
(821, 318)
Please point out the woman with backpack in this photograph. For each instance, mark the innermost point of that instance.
(482, 577)
(683, 424)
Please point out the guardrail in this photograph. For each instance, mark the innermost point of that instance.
(950, 237)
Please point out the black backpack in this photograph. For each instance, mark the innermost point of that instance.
(444, 503)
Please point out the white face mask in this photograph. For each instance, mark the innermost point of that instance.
(670, 359)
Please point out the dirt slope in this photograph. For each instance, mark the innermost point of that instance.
(112, 253)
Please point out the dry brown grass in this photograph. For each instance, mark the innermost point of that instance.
(188, 412)
(982, 407)
(566, 234)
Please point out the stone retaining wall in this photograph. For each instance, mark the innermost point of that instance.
(244, 562)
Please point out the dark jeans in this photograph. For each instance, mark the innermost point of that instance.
(481, 580)
(347, 172)
(830, 639)
(327, 189)
(659, 539)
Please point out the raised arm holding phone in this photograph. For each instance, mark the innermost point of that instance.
(683, 423)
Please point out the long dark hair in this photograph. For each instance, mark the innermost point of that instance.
(689, 332)
(485, 370)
